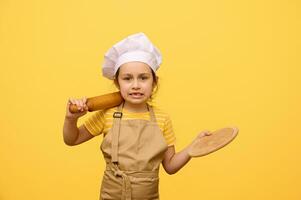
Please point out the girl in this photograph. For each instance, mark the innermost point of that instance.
(137, 137)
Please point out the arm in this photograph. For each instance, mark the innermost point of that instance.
(74, 135)
(71, 133)
(173, 161)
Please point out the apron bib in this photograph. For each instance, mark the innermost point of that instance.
(133, 151)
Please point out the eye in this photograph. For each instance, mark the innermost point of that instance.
(126, 78)
(144, 77)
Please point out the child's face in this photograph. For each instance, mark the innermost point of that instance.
(135, 82)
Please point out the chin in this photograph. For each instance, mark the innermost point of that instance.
(136, 101)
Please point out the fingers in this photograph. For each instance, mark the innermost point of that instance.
(204, 133)
(85, 103)
(80, 103)
(208, 133)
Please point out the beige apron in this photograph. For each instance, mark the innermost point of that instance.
(133, 150)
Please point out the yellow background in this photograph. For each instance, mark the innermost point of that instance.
(225, 62)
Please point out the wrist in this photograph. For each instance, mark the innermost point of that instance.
(187, 151)
(71, 119)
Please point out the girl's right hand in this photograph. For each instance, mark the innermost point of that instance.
(81, 105)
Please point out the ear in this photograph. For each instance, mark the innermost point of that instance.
(155, 82)
(116, 84)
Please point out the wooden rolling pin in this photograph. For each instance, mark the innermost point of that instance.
(100, 102)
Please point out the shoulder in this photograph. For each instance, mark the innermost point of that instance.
(110, 110)
(103, 114)
(165, 124)
(161, 114)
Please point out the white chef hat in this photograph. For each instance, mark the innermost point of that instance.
(136, 47)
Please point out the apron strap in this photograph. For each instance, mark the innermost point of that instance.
(115, 134)
(126, 185)
(152, 114)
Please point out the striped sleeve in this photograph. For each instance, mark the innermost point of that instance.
(95, 123)
(168, 132)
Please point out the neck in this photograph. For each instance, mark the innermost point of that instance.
(135, 107)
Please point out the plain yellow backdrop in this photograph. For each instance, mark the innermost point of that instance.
(224, 63)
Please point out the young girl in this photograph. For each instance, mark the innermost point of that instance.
(137, 137)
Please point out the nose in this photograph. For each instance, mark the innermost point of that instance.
(135, 84)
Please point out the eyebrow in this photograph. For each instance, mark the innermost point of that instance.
(127, 74)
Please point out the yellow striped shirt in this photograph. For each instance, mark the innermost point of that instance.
(101, 122)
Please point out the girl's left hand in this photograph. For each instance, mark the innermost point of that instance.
(197, 139)
(203, 134)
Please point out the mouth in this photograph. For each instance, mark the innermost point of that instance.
(136, 95)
